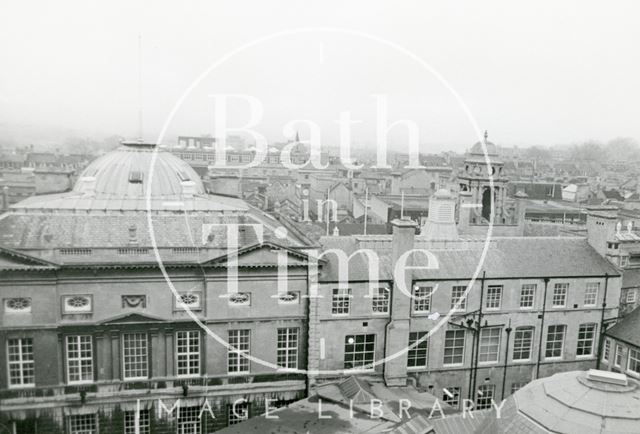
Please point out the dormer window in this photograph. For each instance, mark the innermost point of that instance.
(135, 177)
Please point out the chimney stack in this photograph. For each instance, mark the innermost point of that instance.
(397, 331)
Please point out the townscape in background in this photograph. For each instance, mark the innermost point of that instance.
(94, 341)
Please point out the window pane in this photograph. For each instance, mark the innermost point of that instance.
(555, 340)
(417, 354)
(188, 353)
(237, 361)
(522, 342)
(454, 347)
(359, 351)
(489, 344)
(134, 355)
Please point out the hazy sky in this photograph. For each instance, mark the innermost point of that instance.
(544, 72)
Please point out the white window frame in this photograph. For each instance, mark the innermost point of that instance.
(589, 293)
(633, 356)
(458, 295)
(82, 361)
(367, 349)
(188, 420)
(618, 356)
(606, 350)
(494, 293)
(380, 301)
(488, 348)
(517, 386)
(631, 292)
(141, 355)
(453, 397)
(144, 422)
(455, 349)
(23, 363)
(422, 299)
(418, 351)
(560, 289)
(237, 412)
(584, 341)
(624, 261)
(239, 348)
(91, 419)
(341, 301)
(484, 396)
(187, 353)
(530, 295)
(563, 327)
(519, 343)
(288, 341)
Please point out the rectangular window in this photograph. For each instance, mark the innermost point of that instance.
(586, 338)
(20, 362)
(237, 412)
(527, 295)
(83, 424)
(633, 362)
(485, 396)
(144, 422)
(422, 299)
(135, 359)
(560, 294)
(79, 359)
(454, 347)
(380, 301)
(494, 297)
(188, 353)
(458, 301)
(618, 359)
(606, 350)
(631, 296)
(189, 420)
(417, 354)
(591, 294)
(555, 341)
(489, 345)
(522, 343)
(341, 301)
(359, 351)
(239, 347)
(517, 386)
(287, 356)
(451, 395)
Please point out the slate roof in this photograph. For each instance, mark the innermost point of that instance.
(631, 278)
(627, 329)
(523, 257)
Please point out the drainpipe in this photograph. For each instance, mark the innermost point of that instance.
(474, 367)
(544, 306)
(604, 306)
(473, 352)
(506, 359)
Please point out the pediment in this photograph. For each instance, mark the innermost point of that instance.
(133, 317)
(263, 255)
(10, 258)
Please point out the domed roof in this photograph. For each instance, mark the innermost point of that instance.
(125, 172)
(586, 402)
(479, 149)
